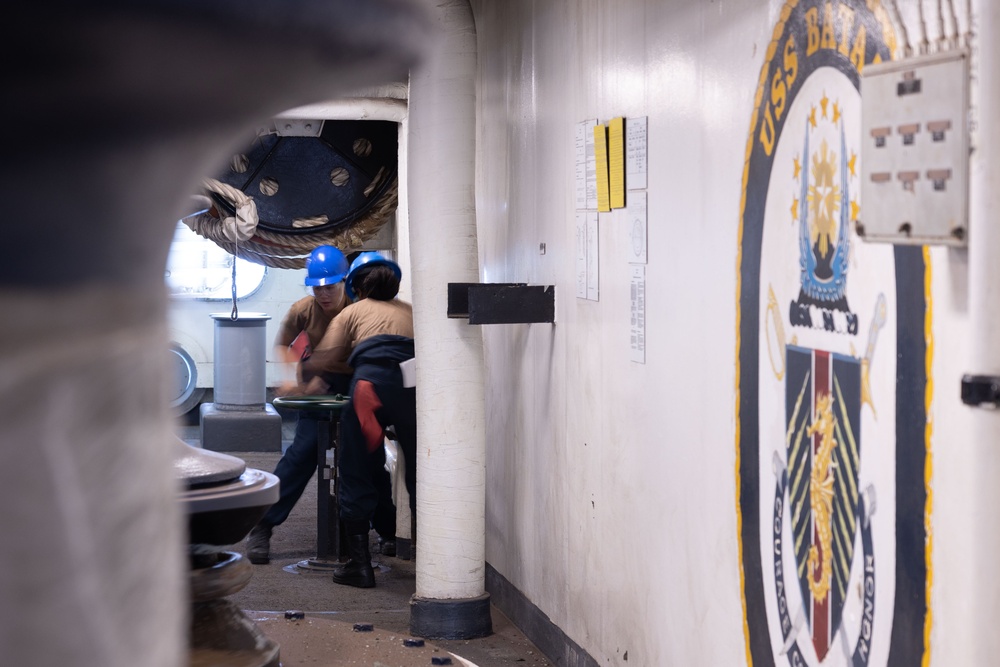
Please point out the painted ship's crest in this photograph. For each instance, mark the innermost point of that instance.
(831, 380)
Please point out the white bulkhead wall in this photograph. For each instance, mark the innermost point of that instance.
(610, 484)
(611, 492)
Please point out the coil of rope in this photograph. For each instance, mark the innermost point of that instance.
(240, 235)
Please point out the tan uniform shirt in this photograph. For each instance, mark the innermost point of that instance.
(361, 320)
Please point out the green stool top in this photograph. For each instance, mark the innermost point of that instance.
(329, 402)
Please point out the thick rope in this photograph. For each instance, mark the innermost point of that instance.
(289, 251)
(235, 196)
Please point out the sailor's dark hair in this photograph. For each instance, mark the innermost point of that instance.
(378, 282)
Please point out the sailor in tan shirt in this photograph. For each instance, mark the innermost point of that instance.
(361, 320)
(301, 330)
(307, 320)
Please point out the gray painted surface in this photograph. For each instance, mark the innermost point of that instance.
(534, 623)
(251, 430)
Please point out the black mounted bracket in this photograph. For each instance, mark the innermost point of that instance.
(981, 389)
(502, 303)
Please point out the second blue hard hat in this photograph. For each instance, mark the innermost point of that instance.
(326, 266)
(365, 260)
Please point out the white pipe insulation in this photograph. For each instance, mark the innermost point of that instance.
(984, 308)
(451, 482)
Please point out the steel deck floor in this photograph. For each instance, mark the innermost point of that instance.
(331, 610)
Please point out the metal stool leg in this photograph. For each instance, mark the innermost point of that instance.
(330, 538)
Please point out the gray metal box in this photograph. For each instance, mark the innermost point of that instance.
(915, 150)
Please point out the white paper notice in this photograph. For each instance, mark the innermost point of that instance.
(638, 324)
(586, 168)
(593, 275)
(635, 153)
(581, 254)
(637, 227)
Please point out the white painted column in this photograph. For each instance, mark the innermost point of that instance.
(984, 211)
(984, 308)
(451, 492)
(400, 494)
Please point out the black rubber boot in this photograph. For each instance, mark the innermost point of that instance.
(259, 544)
(387, 547)
(358, 570)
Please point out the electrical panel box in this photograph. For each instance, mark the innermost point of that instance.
(915, 150)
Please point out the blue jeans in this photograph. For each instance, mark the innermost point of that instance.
(295, 468)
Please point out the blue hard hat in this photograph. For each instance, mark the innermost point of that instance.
(326, 266)
(368, 259)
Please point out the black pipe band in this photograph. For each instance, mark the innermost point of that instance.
(467, 618)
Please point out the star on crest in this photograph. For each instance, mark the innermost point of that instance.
(836, 112)
(852, 164)
(798, 168)
(812, 117)
(823, 102)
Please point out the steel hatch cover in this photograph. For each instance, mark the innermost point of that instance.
(341, 174)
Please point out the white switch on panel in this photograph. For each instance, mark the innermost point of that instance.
(915, 150)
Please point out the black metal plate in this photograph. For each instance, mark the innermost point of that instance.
(458, 297)
(511, 304)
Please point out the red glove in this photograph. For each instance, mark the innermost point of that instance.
(366, 404)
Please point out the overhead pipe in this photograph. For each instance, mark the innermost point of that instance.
(352, 108)
(450, 600)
